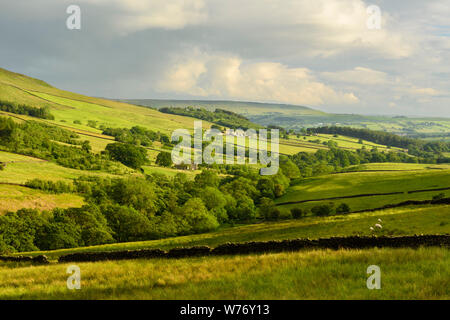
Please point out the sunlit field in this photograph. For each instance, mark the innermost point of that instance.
(318, 274)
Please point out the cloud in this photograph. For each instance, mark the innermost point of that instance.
(424, 91)
(358, 75)
(318, 53)
(326, 27)
(229, 77)
(136, 15)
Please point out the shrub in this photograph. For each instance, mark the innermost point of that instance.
(297, 213)
(439, 196)
(92, 123)
(343, 208)
(268, 210)
(322, 210)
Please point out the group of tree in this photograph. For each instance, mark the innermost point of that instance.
(321, 210)
(337, 160)
(137, 135)
(138, 208)
(428, 150)
(42, 112)
(218, 116)
(51, 143)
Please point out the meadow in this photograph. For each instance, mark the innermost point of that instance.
(13, 198)
(20, 169)
(316, 274)
(365, 182)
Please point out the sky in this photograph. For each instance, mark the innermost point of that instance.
(339, 56)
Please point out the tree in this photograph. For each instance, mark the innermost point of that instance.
(207, 178)
(215, 202)
(343, 208)
(164, 159)
(439, 196)
(297, 213)
(130, 155)
(60, 232)
(267, 209)
(94, 226)
(289, 168)
(322, 210)
(195, 217)
(266, 187)
(85, 145)
(127, 223)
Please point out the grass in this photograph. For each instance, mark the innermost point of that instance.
(13, 198)
(354, 183)
(318, 274)
(126, 116)
(388, 166)
(366, 203)
(399, 221)
(28, 168)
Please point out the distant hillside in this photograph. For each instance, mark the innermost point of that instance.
(241, 107)
(298, 117)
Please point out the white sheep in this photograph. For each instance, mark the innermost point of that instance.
(378, 226)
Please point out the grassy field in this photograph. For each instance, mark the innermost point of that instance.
(354, 183)
(399, 221)
(20, 169)
(318, 274)
(389, 166)
(13, 198)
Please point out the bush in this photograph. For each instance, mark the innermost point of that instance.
(267, 209)
(439, 196)
(297, 213)
(343, 208)
(323, 210)
(92, 123)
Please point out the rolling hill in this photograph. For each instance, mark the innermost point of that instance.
(298, 117)
(116, 207)
(241, 107)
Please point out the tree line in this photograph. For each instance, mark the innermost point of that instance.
(43, 112)
(416, 147)
(220, 117)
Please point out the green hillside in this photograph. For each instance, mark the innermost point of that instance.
(68, 107)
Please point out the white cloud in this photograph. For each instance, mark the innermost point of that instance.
(136, 15)
(424, 91)
(229, 77)
(358, 75)
(325, 27)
